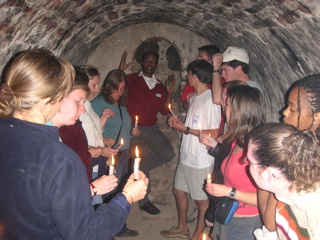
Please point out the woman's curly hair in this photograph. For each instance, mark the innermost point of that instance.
(296, 154)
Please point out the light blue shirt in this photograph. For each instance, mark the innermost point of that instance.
(112, 127)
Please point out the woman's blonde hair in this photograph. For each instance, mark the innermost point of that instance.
(35, 75)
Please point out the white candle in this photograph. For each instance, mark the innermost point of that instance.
(136, 165)
(136, 122)
(169, 106)
(111, 167)
(199, 127)
(121, 143)
(209, 180)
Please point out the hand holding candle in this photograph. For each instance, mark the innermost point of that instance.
(111, 167)
(136, 165)
(121, 144)
(209, 180)
(169, 106)
(136, 122)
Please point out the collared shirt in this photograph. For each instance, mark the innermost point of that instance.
(151, 82)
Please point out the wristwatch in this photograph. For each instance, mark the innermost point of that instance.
(217, 71)
(186, 132)
(232, 194)
(94, 189)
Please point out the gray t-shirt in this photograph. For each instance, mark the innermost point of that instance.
(255, 85)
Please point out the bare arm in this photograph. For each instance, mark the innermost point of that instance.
(216, 79)
(175, 123)
(220, 190)
(267, 207)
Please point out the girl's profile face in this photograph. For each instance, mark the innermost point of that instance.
(72, 107)
(302, 119)
(117, 93)
(93, 86)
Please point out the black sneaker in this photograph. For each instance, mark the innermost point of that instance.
(129, 233)
(150, 208)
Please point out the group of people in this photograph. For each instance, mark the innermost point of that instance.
(55, 145)
(271, 169)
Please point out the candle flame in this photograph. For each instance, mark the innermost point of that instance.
(169, 106)
(137, 152)
(199, 126)
(121, 141)
(112, 160)
(136, 118)
(209, 135)
(209, 176)
(204, 237)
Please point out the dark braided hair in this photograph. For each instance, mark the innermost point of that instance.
(311, 85)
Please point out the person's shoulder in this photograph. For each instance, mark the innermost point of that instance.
(254, 84)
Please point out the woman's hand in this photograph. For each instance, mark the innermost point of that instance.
(105, 184)
(135, 132)
(210, 224)
(217, 190)
(108, 141)
(207, 140)
(95, 151)
(108, 151)
(136, 190)
(107, 112)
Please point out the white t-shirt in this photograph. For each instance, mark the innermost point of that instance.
(201, 113)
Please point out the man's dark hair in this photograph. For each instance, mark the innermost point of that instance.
(209, 50)
(236, 63)
(202, 69)
(146, 54)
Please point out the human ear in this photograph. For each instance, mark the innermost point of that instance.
(316, 122)
(316, 117)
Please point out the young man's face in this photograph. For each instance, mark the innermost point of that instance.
(191, 79)
(203, 56)
(149, 65)
(228, 73)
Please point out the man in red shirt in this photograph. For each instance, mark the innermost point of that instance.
(146, 97)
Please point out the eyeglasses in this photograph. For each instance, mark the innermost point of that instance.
(246, 162)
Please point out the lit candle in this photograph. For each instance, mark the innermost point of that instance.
(204, 237)
(169, 106)
(209, 180)
(111, 167)
(121, 144)
(136, 165)
(136, 122)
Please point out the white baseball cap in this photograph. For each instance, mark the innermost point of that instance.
(235, 53)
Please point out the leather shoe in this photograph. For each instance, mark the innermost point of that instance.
(150, 208)
(129, 233)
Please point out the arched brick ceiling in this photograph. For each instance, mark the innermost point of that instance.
(281, 36)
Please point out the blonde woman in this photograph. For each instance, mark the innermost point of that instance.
(42, 181)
